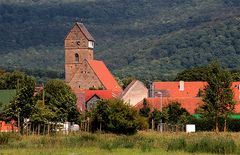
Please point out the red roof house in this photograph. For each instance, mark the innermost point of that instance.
(186, 93)
(8, 127)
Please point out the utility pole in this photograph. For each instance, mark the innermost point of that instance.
(43, 97)
(18, 109)
(153, 97)
(161, 128)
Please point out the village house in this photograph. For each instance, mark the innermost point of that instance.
(188, 94)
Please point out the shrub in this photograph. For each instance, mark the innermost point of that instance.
(115, 116)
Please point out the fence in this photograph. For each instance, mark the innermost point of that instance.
(171, 128)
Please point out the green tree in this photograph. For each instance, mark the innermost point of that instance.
(23, 104)
(127, 80)
(61, 100)
(193, 74)
(115, 116)
(145, 110)
(218, 96)
(42, 114)
(175, 114)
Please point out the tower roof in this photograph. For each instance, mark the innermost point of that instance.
(85, 31)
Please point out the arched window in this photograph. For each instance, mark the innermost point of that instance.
(76, 57)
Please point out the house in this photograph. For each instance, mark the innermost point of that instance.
(188, 94)
(134, 93)
(8, 127)
(86, 99)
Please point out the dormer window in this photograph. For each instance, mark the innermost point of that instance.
(90, 44)
(76, 57)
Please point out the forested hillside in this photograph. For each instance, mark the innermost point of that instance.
(153, 39)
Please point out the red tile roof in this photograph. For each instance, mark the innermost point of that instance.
(105, 76)
(190, 104)
(188, 97)
(191, 89)
(8, 127)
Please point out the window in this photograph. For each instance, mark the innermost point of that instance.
(91, 44)
(76, 57)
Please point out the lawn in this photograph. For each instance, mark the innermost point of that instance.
(149, 143)
(5, 97)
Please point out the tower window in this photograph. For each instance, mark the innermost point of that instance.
(76, 57)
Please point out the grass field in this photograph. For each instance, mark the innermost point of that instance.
(150, 143)
(89, 151)
(5, 97)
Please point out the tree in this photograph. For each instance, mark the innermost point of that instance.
(145, 110)
(126, 81)
(23, 104)
(175, 114)
(115, 116)
(218, 96)
(193, 74)
(42, 114)
(61, 100)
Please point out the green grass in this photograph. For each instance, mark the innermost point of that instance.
(141, 143)
(5, 97)
(89, 151)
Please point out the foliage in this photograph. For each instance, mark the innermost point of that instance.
(175, 114)
(145, 110)
(201, 74)
(42, 114)
(115, 116)
(193, 74)
(61, 101)
(218, 96)
(11, 80)
(149, 40)
(126, 81)
(23, 104)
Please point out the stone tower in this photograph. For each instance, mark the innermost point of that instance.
(79, 46)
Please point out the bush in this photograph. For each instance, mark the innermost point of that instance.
(115, 116)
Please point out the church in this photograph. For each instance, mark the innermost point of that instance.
(89, 79)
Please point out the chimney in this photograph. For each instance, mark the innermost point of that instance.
(181, 83)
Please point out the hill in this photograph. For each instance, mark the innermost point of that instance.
(152, 39)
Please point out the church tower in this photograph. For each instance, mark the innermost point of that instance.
(82, 72)
(79, 46)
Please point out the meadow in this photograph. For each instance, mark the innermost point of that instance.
(141, 143)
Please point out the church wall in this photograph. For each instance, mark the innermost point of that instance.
(84, 78)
